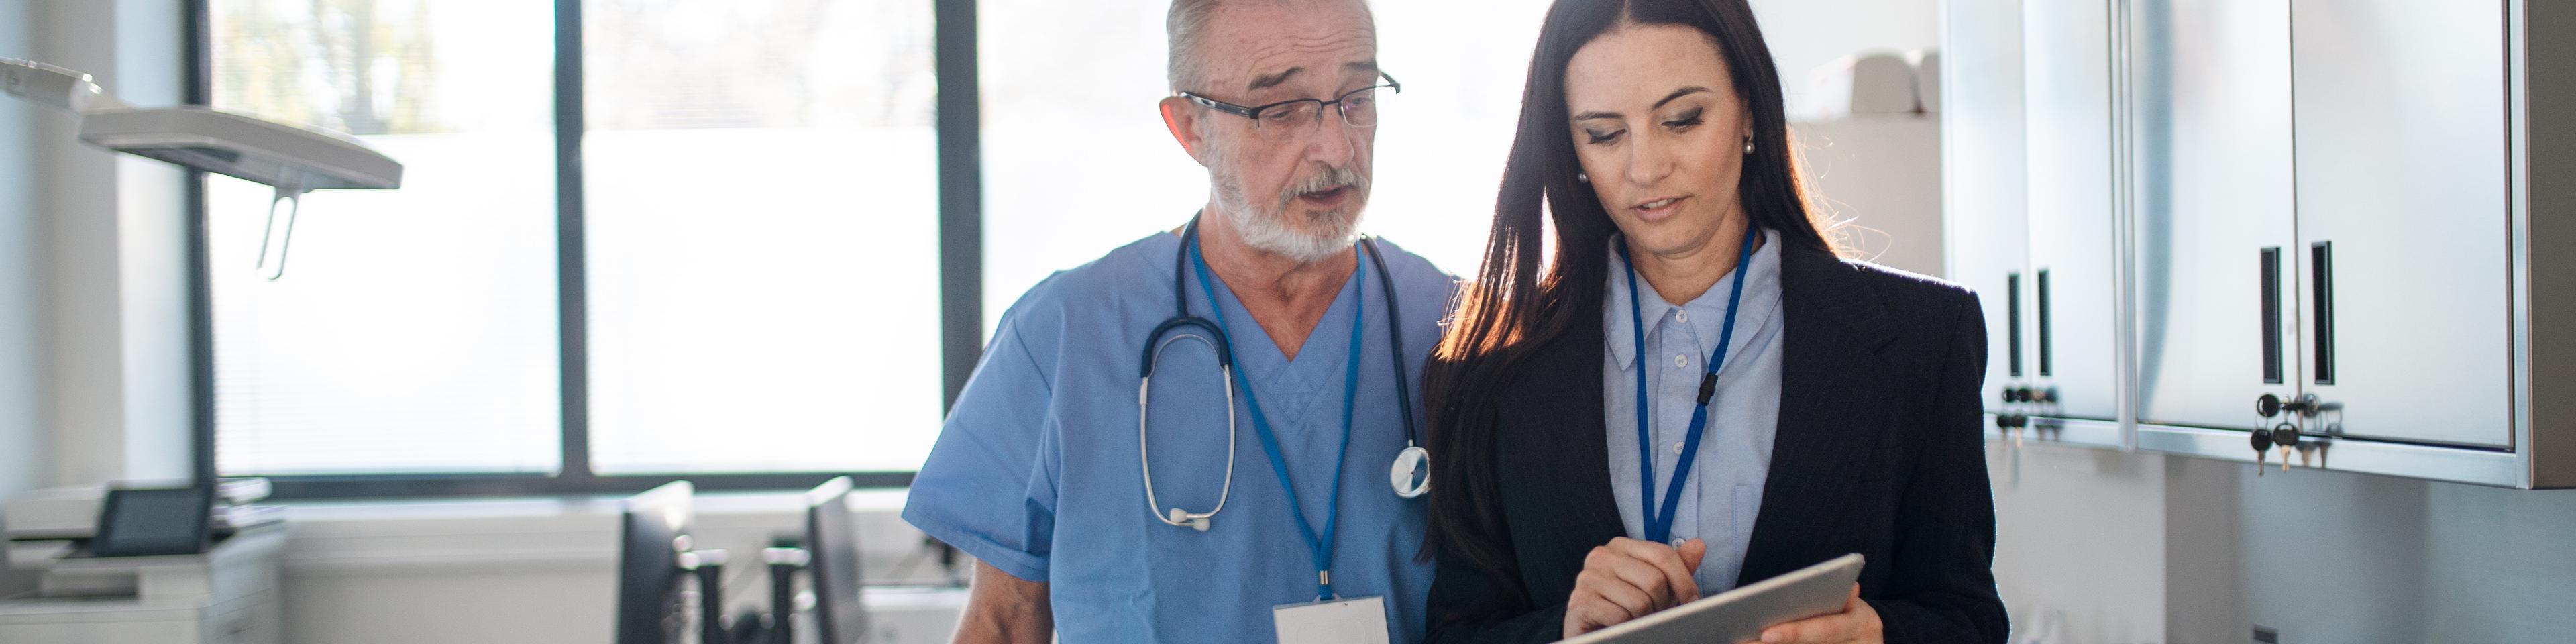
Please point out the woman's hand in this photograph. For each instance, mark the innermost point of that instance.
(1628, 578)
(1857, 623)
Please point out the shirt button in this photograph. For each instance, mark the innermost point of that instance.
(1677, 448)
(1681, 316)
(1681, 360)
(1677, 542)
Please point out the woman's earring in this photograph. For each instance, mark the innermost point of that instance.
(1585, 178)
(1748, 144)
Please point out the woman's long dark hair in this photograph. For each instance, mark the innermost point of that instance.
(1511, 308)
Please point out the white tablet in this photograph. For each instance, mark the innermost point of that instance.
(1740, 615)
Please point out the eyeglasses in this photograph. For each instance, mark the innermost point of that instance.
(1277, 121)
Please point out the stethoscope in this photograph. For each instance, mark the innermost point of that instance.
(1410, 475)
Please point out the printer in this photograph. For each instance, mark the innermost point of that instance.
(220, 587)
(53, 521)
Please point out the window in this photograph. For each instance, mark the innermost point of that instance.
(1077, 161)
(738, 287)
(761, 228)
(414, 330)
(742, 281)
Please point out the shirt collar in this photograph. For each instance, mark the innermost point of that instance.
(1620, 335)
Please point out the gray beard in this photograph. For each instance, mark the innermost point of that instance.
(1269, 230)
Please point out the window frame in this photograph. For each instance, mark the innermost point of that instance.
(957, 117)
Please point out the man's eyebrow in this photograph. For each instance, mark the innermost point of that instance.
(1266, 82)
(1686, 91)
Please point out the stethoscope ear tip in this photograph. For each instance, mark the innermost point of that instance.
(1195, 521)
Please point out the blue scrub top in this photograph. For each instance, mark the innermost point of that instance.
(1036, 469)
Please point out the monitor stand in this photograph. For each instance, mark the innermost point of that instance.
(709, 567)
(785, 564)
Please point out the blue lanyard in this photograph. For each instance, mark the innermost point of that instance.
(1659, 525)
(1321, 545)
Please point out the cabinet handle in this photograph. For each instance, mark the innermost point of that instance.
(2321, 275)
(2012, 323)
(2271, 287)
(2044, 361)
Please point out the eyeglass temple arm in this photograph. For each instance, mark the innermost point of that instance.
(1220, 106)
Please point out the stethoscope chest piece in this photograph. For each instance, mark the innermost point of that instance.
(1411, 473)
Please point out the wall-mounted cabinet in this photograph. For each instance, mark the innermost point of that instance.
(2210, 85)
(2328, 220)
(2404, 216)
(2031, 189)
(1984, 209)
(2072, 282)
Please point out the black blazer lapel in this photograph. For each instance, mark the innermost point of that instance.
(1835, 407)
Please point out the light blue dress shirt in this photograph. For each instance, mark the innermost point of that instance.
(1724, 492)
(1036, 468)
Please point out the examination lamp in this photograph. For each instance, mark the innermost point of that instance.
(290, 159)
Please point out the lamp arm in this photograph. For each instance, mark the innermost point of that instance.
(59, 88)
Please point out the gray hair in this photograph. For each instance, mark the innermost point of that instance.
(1187, 22)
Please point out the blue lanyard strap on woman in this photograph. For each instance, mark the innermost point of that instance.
(1659, 524)
(1321, 544)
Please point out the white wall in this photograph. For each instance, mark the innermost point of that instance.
(115, 281)
(1805, 34)
(1877, 176)
(1877, 173)
(2140, 547)
(438, 572)
(22, 354)
(2343, 557)
(2080, 541)
(93, 306)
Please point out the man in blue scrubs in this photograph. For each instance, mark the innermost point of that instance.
(1037, 472)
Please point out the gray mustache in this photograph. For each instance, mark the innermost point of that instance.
(1327, 180)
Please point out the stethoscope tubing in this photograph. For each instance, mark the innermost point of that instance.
(1409, 474)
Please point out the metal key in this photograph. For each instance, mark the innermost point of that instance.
(2287, 436)
(2262, 448)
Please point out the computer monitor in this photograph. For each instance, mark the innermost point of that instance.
(832, 541)
(655, 532)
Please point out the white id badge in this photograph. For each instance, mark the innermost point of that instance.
(1349, 620)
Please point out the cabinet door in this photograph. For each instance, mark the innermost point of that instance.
(2404, 217)
(2211, 98)
(1982, 190)
(2066, 84)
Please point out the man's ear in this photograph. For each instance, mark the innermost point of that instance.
(1183, 122)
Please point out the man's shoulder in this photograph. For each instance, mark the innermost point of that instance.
(1095, 288)
(1414, 274)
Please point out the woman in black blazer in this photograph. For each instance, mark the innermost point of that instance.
(1652, 132)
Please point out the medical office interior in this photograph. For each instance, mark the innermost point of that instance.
(2276, 291)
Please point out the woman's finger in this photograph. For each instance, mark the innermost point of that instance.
(1635, 602)
(1837, 627)
(1668, 563)
(1645, 577)
(1586, 611)
(1693, 551)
